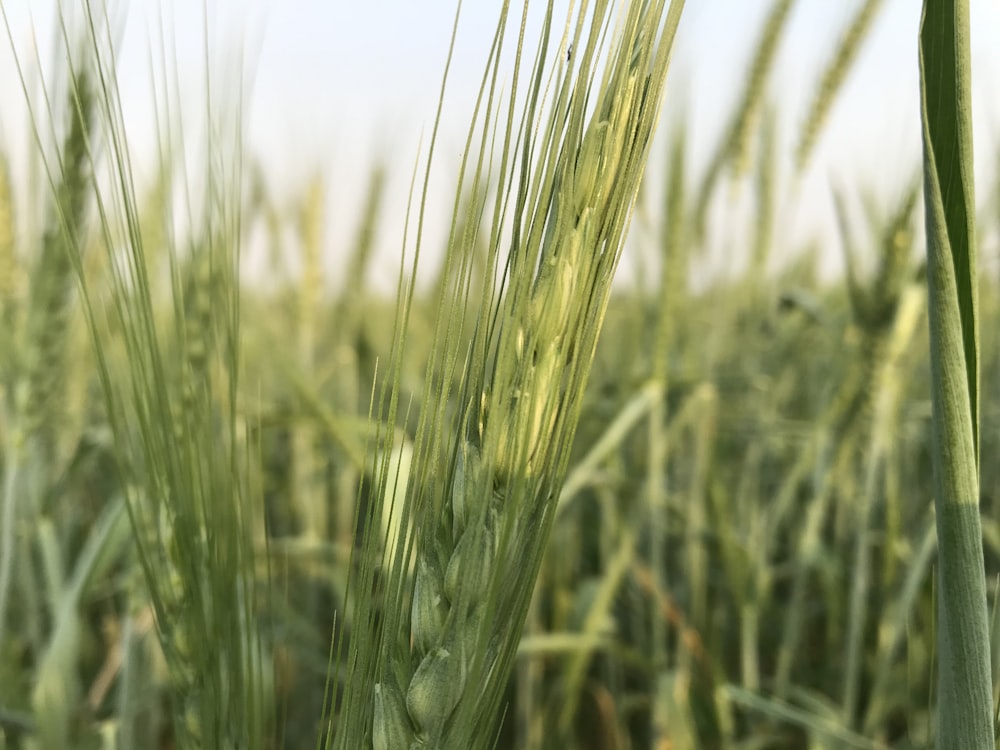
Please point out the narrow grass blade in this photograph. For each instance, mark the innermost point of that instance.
(964, 686)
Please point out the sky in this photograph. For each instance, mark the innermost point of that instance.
(337, 86)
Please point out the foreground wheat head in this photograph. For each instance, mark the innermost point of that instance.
(484, 483)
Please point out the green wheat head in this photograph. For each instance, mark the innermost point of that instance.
(483, 489)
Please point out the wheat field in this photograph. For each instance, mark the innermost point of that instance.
(524, 504)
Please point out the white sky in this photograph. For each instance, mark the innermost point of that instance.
(340, 84)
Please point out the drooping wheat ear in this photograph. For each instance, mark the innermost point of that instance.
(834, 75)
(446, 668)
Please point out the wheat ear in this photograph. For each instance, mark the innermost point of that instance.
(476, 563)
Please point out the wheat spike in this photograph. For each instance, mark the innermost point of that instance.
(479, 559)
